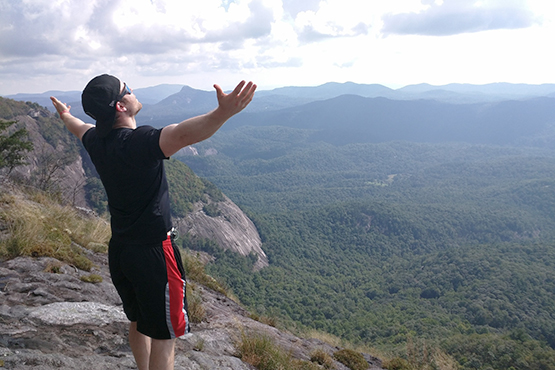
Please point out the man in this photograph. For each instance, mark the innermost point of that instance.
(145, 266)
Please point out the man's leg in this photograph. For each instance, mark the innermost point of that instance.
(162, 354)
(140, 346)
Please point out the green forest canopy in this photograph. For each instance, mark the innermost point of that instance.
(376, 243)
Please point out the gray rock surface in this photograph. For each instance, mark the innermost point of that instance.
(73, 313)
(232, 230)
(57, 321)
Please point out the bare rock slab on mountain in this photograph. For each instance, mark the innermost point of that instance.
(72, 313)
(57, 321)
(232, 230)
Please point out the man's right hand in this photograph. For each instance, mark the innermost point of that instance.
(234, 102)
(199, 128)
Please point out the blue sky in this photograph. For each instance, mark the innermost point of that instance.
(61, 44)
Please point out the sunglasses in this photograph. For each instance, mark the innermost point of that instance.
(126, 90)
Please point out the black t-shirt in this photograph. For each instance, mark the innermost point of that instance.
(130, 165)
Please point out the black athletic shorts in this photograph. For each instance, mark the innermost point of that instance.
(151, 283)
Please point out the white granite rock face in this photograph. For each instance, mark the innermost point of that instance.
(232, 230)
(72, 313)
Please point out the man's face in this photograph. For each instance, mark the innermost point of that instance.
(129, 100)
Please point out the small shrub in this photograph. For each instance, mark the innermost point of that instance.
(268, 320)
(54, 267)
(421, 356)
(195, 309)
(262, 353)
(212, 210)
(199, 345)
(397, 363)
(322, 358)
(194, 270)
(352, 359)
(78, 260)
(98, 247)
(328, 338)
(91, 278)
(304, 365)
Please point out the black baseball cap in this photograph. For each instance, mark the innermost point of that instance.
(99, 100)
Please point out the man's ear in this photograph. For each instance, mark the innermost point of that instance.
(120, 107)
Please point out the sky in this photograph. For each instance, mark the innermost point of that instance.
(61, 44)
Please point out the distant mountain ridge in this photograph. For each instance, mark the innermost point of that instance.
(498, 88)
(499, 113)
(296, 95)
(331, 89)
(354, 119)
(148, 95)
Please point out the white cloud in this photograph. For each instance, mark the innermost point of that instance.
(334, 18)
(451, 17)
(61, 44)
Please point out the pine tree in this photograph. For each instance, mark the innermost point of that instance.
(13, 146)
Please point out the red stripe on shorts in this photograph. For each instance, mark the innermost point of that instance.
(176, 292)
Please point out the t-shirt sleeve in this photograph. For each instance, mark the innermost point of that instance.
(144, 145)
(86, 137)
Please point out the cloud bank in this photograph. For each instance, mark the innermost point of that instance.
(60, 42)
(452, 17)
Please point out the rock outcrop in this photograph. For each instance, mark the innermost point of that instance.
(50, 319)
(232, 230)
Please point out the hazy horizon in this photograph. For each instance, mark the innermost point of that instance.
(307, 86)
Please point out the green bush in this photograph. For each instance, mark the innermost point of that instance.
(352, 359)
(194, 270)
(195, 309)
(397, 363)
(260, 351)
(322, 358)
(212, 210)
(91, 278)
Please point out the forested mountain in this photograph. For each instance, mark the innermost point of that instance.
(437, 222)
(187, 101)
(381, 243)
(354, 119)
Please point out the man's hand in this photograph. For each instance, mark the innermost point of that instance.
(192, 130)
(60, 107)
(234, 102)
(73, 124)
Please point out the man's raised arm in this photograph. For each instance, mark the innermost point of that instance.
(73, 124)
(193, 130)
